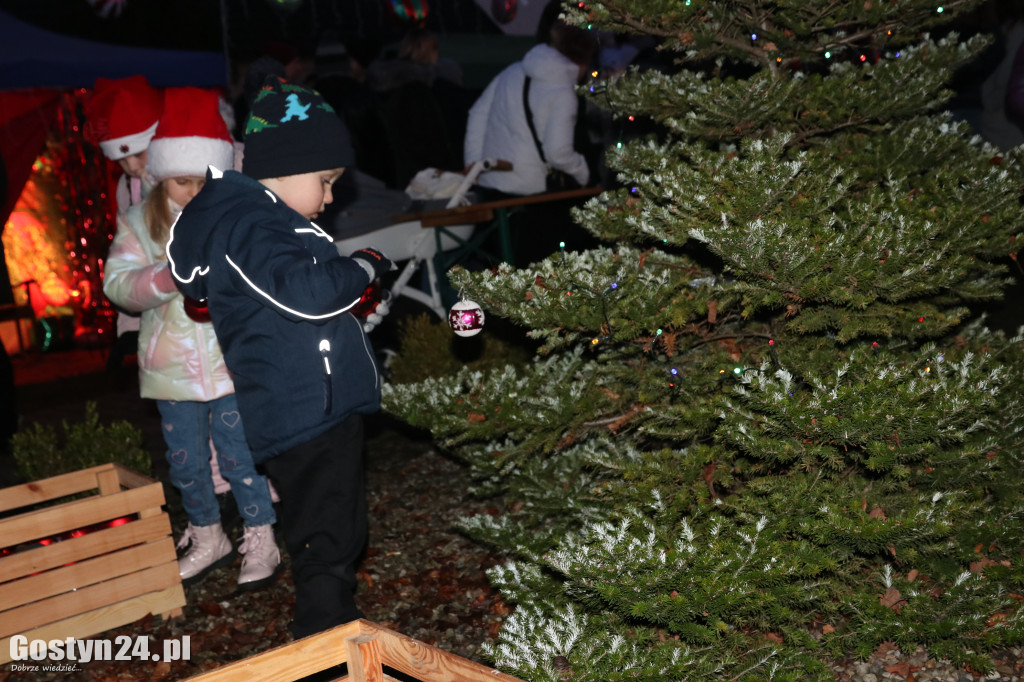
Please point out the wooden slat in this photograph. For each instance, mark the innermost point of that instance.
(130, 478)
(470, 214)
(364, 662)
(339, 645)
(78, 514)
(108, 482)
(50, 488)
(167, 601)
(290, 661)
(426, 662)
(88, 598)
(85, 573)
(94, 544)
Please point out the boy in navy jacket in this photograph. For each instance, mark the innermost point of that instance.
(279, 294)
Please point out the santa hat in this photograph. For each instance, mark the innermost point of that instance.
(191, 135)
(121, 115)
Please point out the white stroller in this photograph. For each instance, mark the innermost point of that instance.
(367, 222)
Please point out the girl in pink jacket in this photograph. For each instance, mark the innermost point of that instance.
(180, 361)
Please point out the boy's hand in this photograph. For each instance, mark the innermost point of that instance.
(374, 262)
(379, 312)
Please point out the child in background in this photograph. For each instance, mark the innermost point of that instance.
(279, 295)
(120, 118)
(181, 365)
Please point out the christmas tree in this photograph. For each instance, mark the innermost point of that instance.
(763, 427)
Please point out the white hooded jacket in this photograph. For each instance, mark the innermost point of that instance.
(179, 359)
(497, 127)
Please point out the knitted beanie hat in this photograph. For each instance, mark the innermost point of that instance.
(191, 135)
(121, 115)
(291, 130)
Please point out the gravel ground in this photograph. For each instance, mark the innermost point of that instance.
(420, 577)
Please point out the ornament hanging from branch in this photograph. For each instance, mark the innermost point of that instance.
(466, 318)
(108, 9)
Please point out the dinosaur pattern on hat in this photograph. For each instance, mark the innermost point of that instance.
(296, 109)
(256, 124)
(291, 129)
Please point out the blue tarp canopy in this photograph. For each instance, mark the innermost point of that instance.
(32, 57)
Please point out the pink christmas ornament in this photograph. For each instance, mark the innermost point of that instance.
(466, 318)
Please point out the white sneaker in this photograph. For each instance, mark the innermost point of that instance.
(261, 558)
(210, 548)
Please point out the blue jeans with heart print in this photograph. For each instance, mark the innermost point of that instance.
(188, 427)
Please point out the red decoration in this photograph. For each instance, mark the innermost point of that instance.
(70, 535)
(197, 311)
(83, 173)
(504, 11)
(368, 301)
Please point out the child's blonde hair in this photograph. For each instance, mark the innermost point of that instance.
(157, 213)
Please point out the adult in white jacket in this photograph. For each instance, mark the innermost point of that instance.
(497, 127)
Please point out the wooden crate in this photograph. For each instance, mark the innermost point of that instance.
(66, 571)
(366, 649)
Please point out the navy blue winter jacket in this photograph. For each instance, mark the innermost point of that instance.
(278, 294)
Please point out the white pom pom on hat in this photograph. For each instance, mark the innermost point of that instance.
(190, 136)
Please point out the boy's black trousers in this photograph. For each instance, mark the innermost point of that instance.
(323, 517)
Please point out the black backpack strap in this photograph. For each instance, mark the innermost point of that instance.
(529, 120)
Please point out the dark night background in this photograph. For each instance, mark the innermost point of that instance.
(204, 24)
